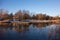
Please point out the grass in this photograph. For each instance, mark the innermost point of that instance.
(20, 23)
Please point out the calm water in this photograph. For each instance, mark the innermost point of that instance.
(30, 32)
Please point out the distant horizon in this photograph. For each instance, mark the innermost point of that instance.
(49, 7)
(31, 13)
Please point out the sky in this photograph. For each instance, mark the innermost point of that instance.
(49, 7)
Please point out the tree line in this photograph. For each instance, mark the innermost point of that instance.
(24, 15)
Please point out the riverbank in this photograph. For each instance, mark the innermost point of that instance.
(31, 21)
(44, 21)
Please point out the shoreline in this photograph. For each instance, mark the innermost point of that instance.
(14, 23)
(32, 21)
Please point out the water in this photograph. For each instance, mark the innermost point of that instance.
(30, 32)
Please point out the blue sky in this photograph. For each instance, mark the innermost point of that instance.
(49, 7)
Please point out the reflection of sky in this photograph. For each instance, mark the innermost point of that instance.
(50, 7)
(34, 33)
(53, 32)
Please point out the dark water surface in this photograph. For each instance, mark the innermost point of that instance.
(30, 32)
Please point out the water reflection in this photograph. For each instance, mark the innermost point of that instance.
(39, 31)
(54, 33)
(38, 25)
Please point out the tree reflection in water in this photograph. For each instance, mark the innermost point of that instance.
(54, 32)
(39, 25)
(51, 31)
(20, 27)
